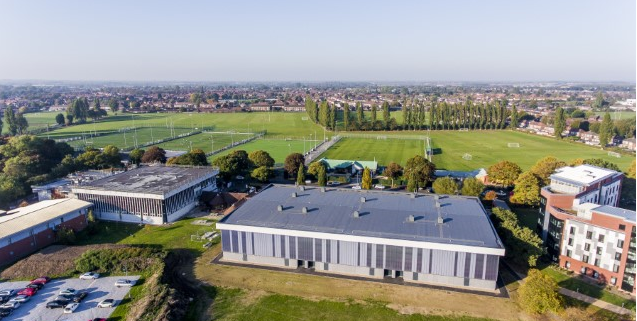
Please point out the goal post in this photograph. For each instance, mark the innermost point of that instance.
(516, 145)
(615, 154)
(467, 156)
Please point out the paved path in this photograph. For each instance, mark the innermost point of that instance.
(595, 302)
(576, 295)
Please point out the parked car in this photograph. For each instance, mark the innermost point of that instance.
(28, 291)
(378, 186)
(42, 279)
(68, 291)
(123, 282)
(79, 296)
(5, 312)
(4, 298)
(69, 308)
(89, 276)
(333, 183)
(10, 305)
(56, 304)
(356, 187)
(7, 293)
(21, 298)
(108, 303)
(37, 286)
(64, 298)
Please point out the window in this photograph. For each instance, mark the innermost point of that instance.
(570, 241)
(589, 235)
(585, 259)
(618, 256)
(599, 251)
(569, 253)
(567, 265)
(613, 280)
(620, 244)
(616, 268)
(600, 238)
(596, 262)
(572, 229)
(622, 227)
(587, 247)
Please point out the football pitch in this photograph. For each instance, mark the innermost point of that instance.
(277, 148)
(485, 147)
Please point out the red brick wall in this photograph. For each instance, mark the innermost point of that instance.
(604, 275)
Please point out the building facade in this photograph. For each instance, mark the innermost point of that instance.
(30, 228)
(149, 195)
(369, 234)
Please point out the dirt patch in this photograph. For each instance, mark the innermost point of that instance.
(54, 260)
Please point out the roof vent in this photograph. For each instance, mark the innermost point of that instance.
(440, 220)
(322, 189)
(304, 210)
(363, 199)
(410, 218)
(294, 194)
(279, 208)
(301, 188)
(356, 214)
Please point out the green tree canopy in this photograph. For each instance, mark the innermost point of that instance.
(261, 173)
(601, 163)
(504, 173)
(293, 162)
(472, 186)
(445, 185)
(261, 158)
(527, 190)
(393, 171)
(154, 154)
(539, 293)
(321, 175)
(606, 130)
(136, 155)
(59, 119)
(419, 170)
(300, 175)
(545, 167)
(560, 122)
(366, 182)
(315, 167)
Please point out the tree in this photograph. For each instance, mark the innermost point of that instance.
(261, 158)
(300, 175)
(631, 170)
(545, 167)
(539, 293)
(136, 155)
(154, 154)
(366, 183)
(59, 119)
(293, 162)
(374, 107)
(472, 186)
(560, 122)
(599, 101)
(515, 119)
(393, 171)
(69, 119)
(445, 185)
(195, 157)
(10, 120)
(322, 175)
(601, 163)
(360, 118)
(21, 124)
(527, 190)
(261, 173)
(490, 196)
(113, 104)
(606, 130)
(314, 168)
(419, 170)
(324, 114)
(504, 173)
(196, 99)
(386, 115)
(346, 116)
(110, 156)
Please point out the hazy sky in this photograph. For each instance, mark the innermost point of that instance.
(323, 40)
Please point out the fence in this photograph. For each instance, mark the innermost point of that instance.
(320, 149)
(241, 142)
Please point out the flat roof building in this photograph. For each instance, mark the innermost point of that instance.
(25, 230)
(149, 194)
(447, 240)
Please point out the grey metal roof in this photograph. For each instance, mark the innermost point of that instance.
(149, 179)
(616, 211)
(383, 214)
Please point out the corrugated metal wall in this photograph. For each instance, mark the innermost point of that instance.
(421, 260)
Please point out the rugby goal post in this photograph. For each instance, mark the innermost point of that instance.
(467, 156)
(516, 145)
(615, 154)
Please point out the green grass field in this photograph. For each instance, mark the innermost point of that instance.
(486, 148)
(616, 115)
(278, 148)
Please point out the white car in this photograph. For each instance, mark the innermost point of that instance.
(123, 282)
(7, 292)
(11, 305)
(89, 276)
(21, 298)
(378, 186)
(356, 187)
(69, 308)
(108, 303)
(68, 291)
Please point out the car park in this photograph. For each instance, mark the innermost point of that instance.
(10, 305)
(78, 297)
(36, 286)
(28, 291)
(64, 298)
(68, 291)
(42, 279)
(89, 276)
(69, 308)
(108, 303)
(21, 298)
(5, 312)
(124, 282)
(7, 293)
(56, 304)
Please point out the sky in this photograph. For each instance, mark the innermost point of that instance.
(318, 40)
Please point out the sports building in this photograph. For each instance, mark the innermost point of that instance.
(149, 194)
(447, 240)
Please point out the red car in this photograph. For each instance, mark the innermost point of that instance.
(42, 279)
(28, 292)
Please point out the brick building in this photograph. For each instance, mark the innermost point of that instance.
(28, 229)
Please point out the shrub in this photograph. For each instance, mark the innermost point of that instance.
(65, 235)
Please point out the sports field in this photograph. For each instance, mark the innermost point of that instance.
(278, 149)
(485, 147)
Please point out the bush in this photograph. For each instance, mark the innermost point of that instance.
(65, 235)
(131, 259)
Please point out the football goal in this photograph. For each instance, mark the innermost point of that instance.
(467, 156)
(513, 144)
(305, 118)
(463, 129)
(614, 154)
(381, 137)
